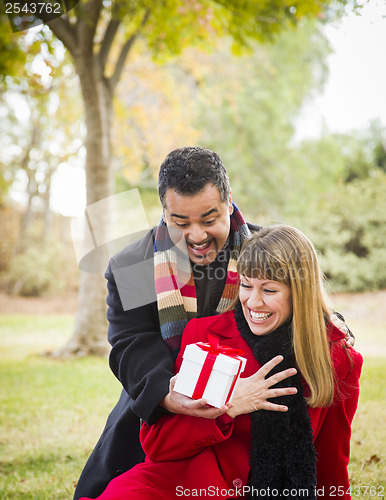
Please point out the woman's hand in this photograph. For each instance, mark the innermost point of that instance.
(251, 393)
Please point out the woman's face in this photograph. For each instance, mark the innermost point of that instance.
(266, 304)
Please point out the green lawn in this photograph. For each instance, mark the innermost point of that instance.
(52, 412)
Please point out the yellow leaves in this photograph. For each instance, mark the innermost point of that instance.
(180, 24)
(154, 114)
(307, 8)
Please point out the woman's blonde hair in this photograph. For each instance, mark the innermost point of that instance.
(283, 253)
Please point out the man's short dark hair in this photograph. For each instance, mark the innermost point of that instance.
(188, 170)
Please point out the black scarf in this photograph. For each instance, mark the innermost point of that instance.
(283, 455)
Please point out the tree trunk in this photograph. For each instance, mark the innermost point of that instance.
(32, 191)
(27, 217)
(90, 327)
(47, 217)
(89, 336)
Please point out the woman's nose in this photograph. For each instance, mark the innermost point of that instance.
(255, 299)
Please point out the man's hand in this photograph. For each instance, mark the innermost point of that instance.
(251, 393)
(338, 320)
(178, 403)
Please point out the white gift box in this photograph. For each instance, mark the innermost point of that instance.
(221, 381)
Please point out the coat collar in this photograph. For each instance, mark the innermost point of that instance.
(334, 334)
(224, 326)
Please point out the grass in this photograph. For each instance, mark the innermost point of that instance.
(368, 443)
(52, 412)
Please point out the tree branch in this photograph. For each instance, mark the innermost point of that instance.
(113, 81)
(24, 162)
(121, 61)
(88, 17)
(64, 31)
(107, 42)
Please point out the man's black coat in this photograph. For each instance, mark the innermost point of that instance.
(139, 359)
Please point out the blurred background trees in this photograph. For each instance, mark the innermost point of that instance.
(227, 77)
(347, 220)
(40, 131)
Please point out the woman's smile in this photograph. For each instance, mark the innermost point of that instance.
(266, 304)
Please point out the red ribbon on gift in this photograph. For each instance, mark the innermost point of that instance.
(213, 349)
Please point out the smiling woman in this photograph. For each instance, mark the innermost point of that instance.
(282, 283)
(298, 371)
(266, 304)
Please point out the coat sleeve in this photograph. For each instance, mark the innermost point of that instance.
(333, 427)
(139, 358)
(174, 437)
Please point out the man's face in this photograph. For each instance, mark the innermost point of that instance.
(204, 220)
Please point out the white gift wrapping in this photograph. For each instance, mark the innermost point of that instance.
(209, 372)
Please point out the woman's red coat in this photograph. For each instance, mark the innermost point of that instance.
(198, 457)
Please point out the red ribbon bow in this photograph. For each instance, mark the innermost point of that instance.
(214, 347)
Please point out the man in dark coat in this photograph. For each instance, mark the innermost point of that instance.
(195, 194)
(144, 328)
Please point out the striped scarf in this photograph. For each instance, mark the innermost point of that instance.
(174, 281)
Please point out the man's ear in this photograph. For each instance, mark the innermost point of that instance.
(230, 203)
(163, 217)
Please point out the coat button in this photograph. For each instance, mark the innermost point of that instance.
(237, 483)
(212, 440)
